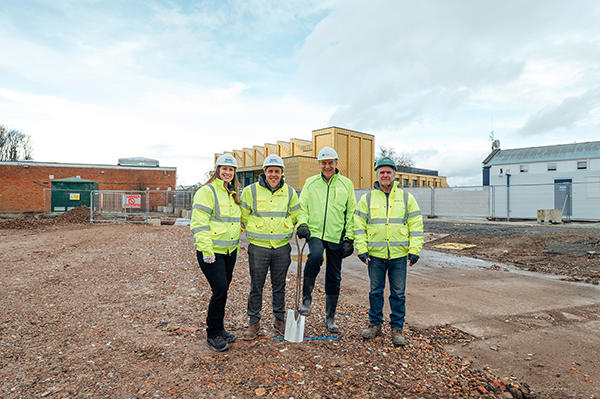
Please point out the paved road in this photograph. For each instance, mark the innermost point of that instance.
(542, 330)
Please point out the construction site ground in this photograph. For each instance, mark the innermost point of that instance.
(118, 310)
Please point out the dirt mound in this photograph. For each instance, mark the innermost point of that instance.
(81, 214)
(78, 215)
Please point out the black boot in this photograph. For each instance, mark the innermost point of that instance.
(307, 289)
(330, 307)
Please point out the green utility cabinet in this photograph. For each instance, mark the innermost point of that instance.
(70, 193)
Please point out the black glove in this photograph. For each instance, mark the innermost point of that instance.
(364, 257)
(412, 259)
(347, 247)
(303, 231)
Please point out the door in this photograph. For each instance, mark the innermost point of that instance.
(562, 196)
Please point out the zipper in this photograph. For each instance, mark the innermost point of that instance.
(387, 205)
(326, 203)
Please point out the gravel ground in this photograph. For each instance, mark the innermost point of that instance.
(117, 311)
(567, 250)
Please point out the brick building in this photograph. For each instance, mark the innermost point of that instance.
(22, 183)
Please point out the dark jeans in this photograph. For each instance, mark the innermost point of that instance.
(396, 272)
(219, 276)
(262, 260)
(333, 266)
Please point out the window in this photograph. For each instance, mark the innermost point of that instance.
(551, 167)
(581, 164)
(414, 183)
(405, 183)
(524, 168)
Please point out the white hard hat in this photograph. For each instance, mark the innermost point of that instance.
(327, 153)
(226, 160)
(273, 160)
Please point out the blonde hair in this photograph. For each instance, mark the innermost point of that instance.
(236, 184)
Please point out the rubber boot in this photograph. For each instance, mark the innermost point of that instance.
(307, 289)
(330, 307)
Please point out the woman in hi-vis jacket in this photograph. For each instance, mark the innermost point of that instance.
(216, 226)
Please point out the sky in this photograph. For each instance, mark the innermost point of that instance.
(92, 81)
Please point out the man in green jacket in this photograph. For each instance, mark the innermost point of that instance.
(388, 231)
(327, 204)
(269, 211)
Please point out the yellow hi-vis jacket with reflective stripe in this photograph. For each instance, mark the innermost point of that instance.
(328, 207)
(388, 227)
(269, 217)
(215, 223)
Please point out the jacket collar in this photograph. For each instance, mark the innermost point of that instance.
(262, 180)
(221, 184)
(377, 186)
(337, 171)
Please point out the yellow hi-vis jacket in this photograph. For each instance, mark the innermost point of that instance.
(328, 207)
(388, 227)
(215, 223)
(269, 217)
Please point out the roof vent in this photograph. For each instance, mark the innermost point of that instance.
(138, 161)
(495, 144)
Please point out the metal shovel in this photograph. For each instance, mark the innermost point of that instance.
(294, 322)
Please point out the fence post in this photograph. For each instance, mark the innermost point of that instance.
(147, 205)
(432, 211)
(92, 207)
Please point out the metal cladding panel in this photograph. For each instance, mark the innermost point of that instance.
(71, 193)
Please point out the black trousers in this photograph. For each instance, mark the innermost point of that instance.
(219, 276)
(333, 263)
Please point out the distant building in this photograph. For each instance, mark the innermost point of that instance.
(355, 149)
(565, 177)
(22, 183)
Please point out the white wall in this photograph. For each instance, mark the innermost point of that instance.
(534, 189)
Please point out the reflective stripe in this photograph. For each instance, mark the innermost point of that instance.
(223, 243)
(360, 231)
(271, 214)
(416, 234)
(405, 204)
(295, 208)
(225, 219)
(396, 220)
(413, 214)
(199, 229)
(377, 221)
(375, 244)
(250, 234)
(244, 205)
(290, 194)
(202, 208)
(254, 203)
(369, 205)
(217, 216)
(217, 209)
(254, 211)
(361, 214)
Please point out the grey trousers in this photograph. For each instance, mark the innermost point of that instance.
(261, 260)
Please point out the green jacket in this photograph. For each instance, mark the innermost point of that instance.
(385, 227)
(269, 216)
(327, 207)
(215, 220)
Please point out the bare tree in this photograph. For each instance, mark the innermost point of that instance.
(14, 145)
(401, 159)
